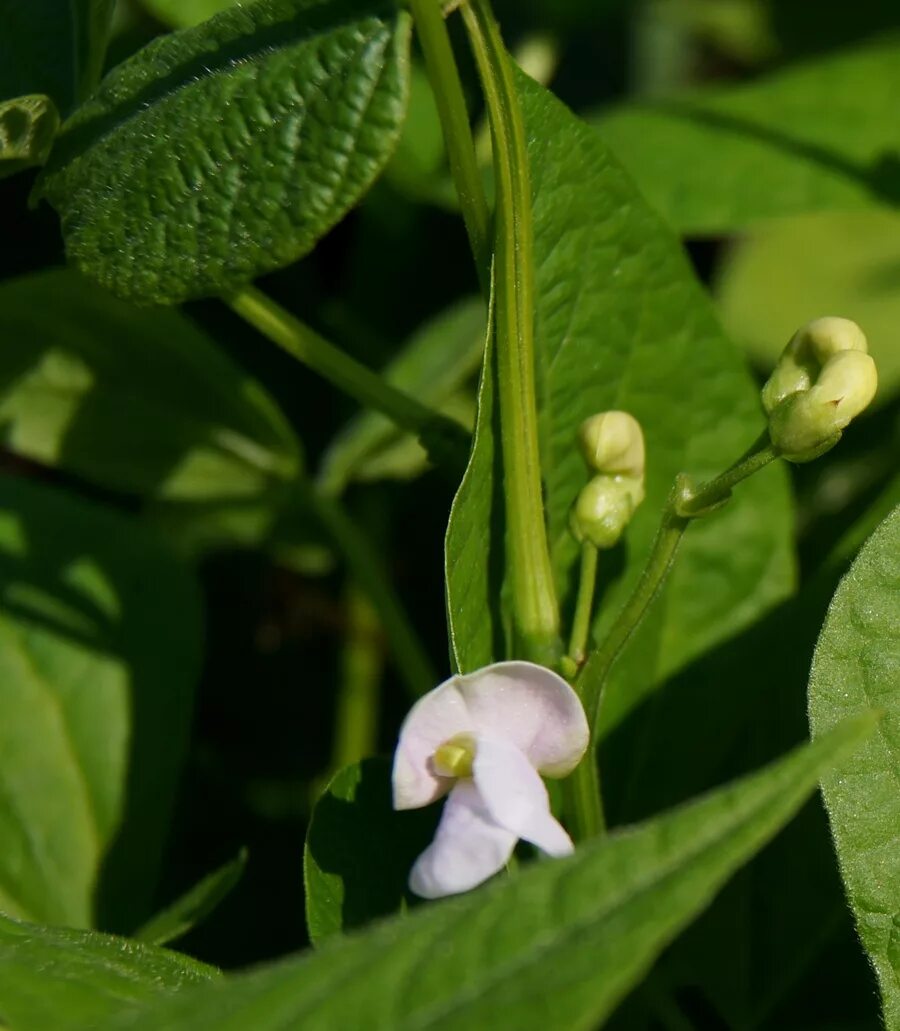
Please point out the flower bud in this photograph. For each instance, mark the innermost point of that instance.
(612, 442)
(824, 378)
(604, 508)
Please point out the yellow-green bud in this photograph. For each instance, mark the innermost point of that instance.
(604, 508)
(612, 442)
(824, 378)
(455, 756)
(807, 353)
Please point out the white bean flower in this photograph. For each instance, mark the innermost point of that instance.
(486, 738)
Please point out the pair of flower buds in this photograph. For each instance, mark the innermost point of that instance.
(824, 378)
(486, 738)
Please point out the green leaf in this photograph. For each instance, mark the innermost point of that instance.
(817, 136)
(441, 356)
(224, 151)
(359, 851)
(555, 946)
(857, 666)
(195, 905)
(53, 48)
(99, 651)
(181, 14)
(623, 324)
(778, 278)
(27, 129)
(135, 399)
(57, 978)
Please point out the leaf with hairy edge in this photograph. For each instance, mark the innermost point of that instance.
(87, 692)
(857, 666)
(226, 150)
(557, 945)
(53, 977)
(819, 136)
(622, 323)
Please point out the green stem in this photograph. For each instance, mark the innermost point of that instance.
(698, 502)
(584, 604)
(355, 727)
(369, 572)
(448, 94)
(584, 800)
(535, 613)
(684, 505)
(335, 365)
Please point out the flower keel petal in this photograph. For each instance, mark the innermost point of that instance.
(468, 848)
(514, 795)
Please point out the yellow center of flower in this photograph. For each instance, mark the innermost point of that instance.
(455, 756)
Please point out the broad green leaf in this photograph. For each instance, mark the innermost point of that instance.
(99, 650)
(27, 128)
(780, 277)
(226, 150)
(181, 14)
(556, 946)
(135, 399)
(856, 667)
(359, 851)
(195, 905)
(817, 136)
(439, 358)
(52, 47)
(621, 323)
(53, 977)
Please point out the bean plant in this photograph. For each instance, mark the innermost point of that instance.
(448, 515)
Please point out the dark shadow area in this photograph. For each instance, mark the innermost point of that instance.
(361, 839)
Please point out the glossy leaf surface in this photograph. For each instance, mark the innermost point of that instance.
(87, 694)
(818, 136)
(135, 399)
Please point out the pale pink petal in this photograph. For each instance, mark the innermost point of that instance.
(514, 795)
(468, 848)
(527, 704)
(530, 706)
(430, 722)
